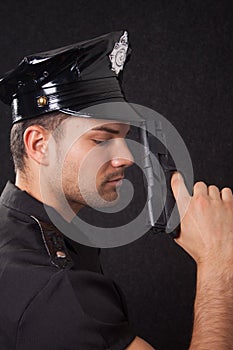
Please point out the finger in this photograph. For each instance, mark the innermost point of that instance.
(200, 189)
(181, 193)
(226, 194)
(213, 192)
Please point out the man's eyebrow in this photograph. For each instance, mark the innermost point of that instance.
(107, 129)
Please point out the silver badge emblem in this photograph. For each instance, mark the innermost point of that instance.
(118, 54)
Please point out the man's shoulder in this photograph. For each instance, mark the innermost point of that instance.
(25, 265)
(24, 260)
(18, 231)
(11, 217)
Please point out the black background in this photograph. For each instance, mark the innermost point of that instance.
(181, 66)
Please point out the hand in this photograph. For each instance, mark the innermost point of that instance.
(206, 222)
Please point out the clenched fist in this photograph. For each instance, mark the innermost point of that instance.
(206, 221)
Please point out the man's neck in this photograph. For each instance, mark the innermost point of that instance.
(32, 186)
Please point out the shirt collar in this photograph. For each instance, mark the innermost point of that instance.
(14, 198)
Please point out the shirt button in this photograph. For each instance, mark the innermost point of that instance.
(60, 254)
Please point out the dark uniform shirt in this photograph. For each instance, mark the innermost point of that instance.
(53, 295)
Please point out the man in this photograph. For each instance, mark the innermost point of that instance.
(53, 294)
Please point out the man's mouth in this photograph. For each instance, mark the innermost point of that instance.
(115, 181)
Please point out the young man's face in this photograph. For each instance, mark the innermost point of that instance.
(88, 161)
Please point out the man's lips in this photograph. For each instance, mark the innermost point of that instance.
(115, 181)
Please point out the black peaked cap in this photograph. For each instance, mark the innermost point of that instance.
(68, 79)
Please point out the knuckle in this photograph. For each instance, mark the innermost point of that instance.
(227, 195)
(213, 187)
(228, 205)
(201, 199)
(227, 189)
(199, 184)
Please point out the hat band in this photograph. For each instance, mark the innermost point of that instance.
(55, 97)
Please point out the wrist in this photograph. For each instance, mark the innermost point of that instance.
(215, 279)
(215, 266)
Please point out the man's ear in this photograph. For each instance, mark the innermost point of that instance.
(36, 143)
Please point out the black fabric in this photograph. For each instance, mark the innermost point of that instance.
(45, 306)
(76, 75)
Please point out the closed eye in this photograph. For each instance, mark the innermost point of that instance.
(100, 142)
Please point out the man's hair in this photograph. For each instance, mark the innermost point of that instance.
(48, 121)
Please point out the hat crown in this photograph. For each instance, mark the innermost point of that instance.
(53, 72)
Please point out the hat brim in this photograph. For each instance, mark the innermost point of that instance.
(120, 111)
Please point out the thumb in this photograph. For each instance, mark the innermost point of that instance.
(181, 193)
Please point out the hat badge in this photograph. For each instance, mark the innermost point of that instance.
(42, 101)
(118, 54)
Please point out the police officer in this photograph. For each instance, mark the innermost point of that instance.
(53, 294)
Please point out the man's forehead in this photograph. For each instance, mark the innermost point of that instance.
(74, 128)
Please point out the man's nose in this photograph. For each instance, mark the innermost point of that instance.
(122, 156)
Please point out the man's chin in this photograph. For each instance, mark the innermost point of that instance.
(103, 200)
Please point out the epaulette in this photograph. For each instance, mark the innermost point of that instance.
(55, 245)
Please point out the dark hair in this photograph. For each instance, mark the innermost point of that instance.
(48, 121)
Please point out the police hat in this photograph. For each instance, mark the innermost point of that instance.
(83, 79)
